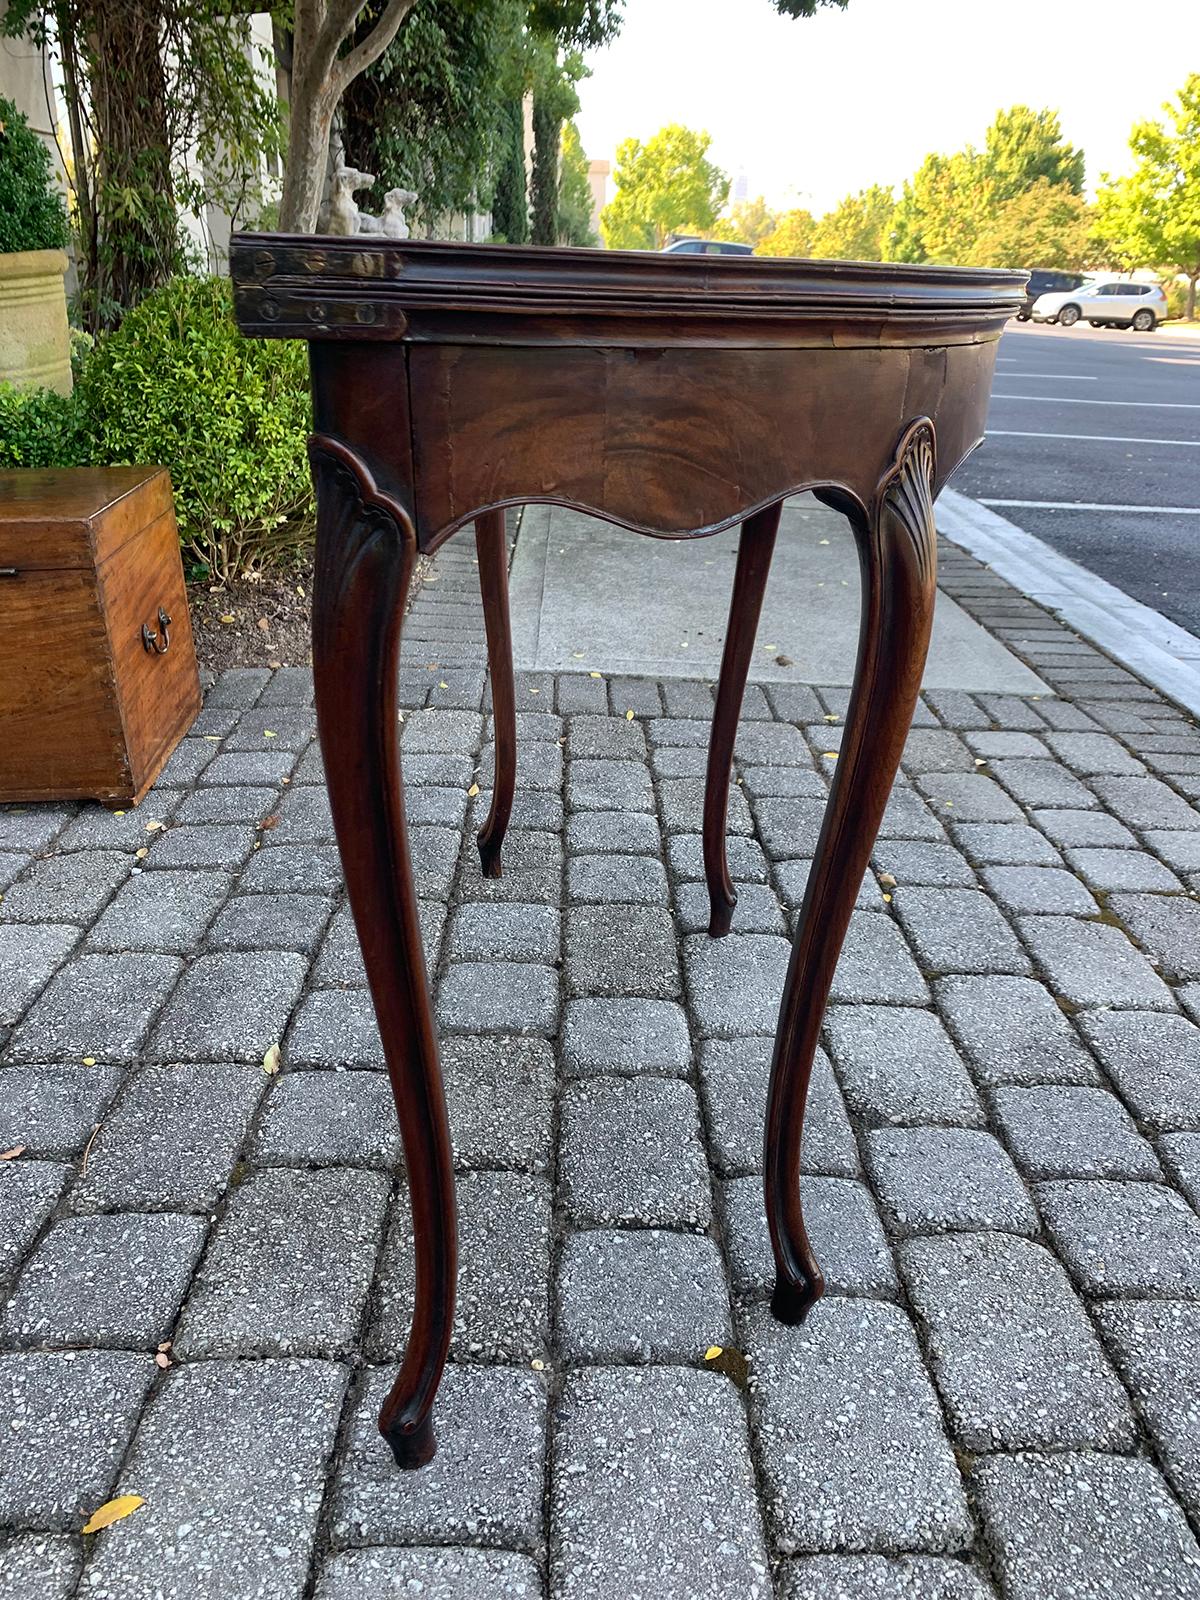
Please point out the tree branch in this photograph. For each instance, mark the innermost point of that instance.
(370, 49)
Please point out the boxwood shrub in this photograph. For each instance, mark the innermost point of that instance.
(177, 384)
(32, 214)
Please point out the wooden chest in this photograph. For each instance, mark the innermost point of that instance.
(98, 679)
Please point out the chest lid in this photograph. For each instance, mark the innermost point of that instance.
(76, 516)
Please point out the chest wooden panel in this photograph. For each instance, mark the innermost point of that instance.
(95, 691)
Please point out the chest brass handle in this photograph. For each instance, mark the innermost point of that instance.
(150, 636)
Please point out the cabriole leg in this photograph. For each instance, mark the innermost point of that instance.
(745, 607)
(365, 553)
(491, 544)
(898, 557)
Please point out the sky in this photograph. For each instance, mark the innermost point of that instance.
(814, 109)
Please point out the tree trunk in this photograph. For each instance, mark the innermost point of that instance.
(1190, 313)
(320, 76)
(137, 247)
(309, 128)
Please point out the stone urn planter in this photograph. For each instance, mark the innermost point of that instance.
(35, 346)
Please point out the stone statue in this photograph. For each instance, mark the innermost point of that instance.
(344, 217)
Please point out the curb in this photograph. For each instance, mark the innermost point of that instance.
(1140, 638)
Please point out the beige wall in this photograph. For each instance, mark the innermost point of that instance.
(25, 80)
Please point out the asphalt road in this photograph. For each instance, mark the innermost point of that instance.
(1096, 433)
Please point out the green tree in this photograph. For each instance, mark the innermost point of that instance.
(574, 192)
(1047, 225)
(432, 114)
(166, 112)
(664, 184)
(746, 222)
(792, 235)
(1152, 217)
(856, 228)
(1024, 145)
(32, 215)
(950, 200)
(940, 212)
(510, 205)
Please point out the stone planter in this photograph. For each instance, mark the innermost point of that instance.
(35, 347)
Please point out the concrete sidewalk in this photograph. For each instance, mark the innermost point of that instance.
(207, 1267)
(586, 593)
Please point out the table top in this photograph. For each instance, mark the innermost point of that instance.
(424, 291)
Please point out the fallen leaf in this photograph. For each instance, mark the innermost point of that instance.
(822, 541)
(980, 762)
(165, 1345)
(211, 738)
(535, 691)
(473, 790)
(888, 898)
(538, 1365)
(576, 655)
(442, 684)
(888, 879)
(593, 674)
(268, 823)
(141, 854)
(829, 717)
(264, 625)
(227, 616)
(162, 1359)
(770, 647)
(89, 1061)
(830, 755)
(153, 827)
(118, 813)
(11, 1155)
(713, 1351)
(629, 716)
(271, 1061)
(113, 1511)
(269, 733)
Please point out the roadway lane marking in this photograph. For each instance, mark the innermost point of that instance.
(1093, 505)
(1096, 438)
(1063, 377)
(1075, 400)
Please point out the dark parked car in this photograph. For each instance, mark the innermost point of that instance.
(706, 247)
(1043, 280)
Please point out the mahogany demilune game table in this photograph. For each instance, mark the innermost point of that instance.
(675, 395)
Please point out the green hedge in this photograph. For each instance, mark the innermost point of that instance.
(177, 385)
(32, 214)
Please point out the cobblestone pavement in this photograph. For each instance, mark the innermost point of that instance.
(998, 1396)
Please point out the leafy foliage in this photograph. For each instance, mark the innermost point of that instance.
(433, 113)
(156, 94)
(948, 209)
(1023, 146)
(856, 228)
(664, 184)
(177, 383)
(1046, 225)
(1152, 217)
(792, 235)
(510, 209)
(747, 222)
(32, 215)
(40, 428)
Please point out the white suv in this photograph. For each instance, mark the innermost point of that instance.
(1105, 305)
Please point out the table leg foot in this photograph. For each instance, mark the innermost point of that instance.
(897, 544)
(365, 554)
(491, 545)
(412, 1447)
(745, 606)
(792, 1301)
(721, 906)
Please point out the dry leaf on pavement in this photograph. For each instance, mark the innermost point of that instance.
(113, 1511)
